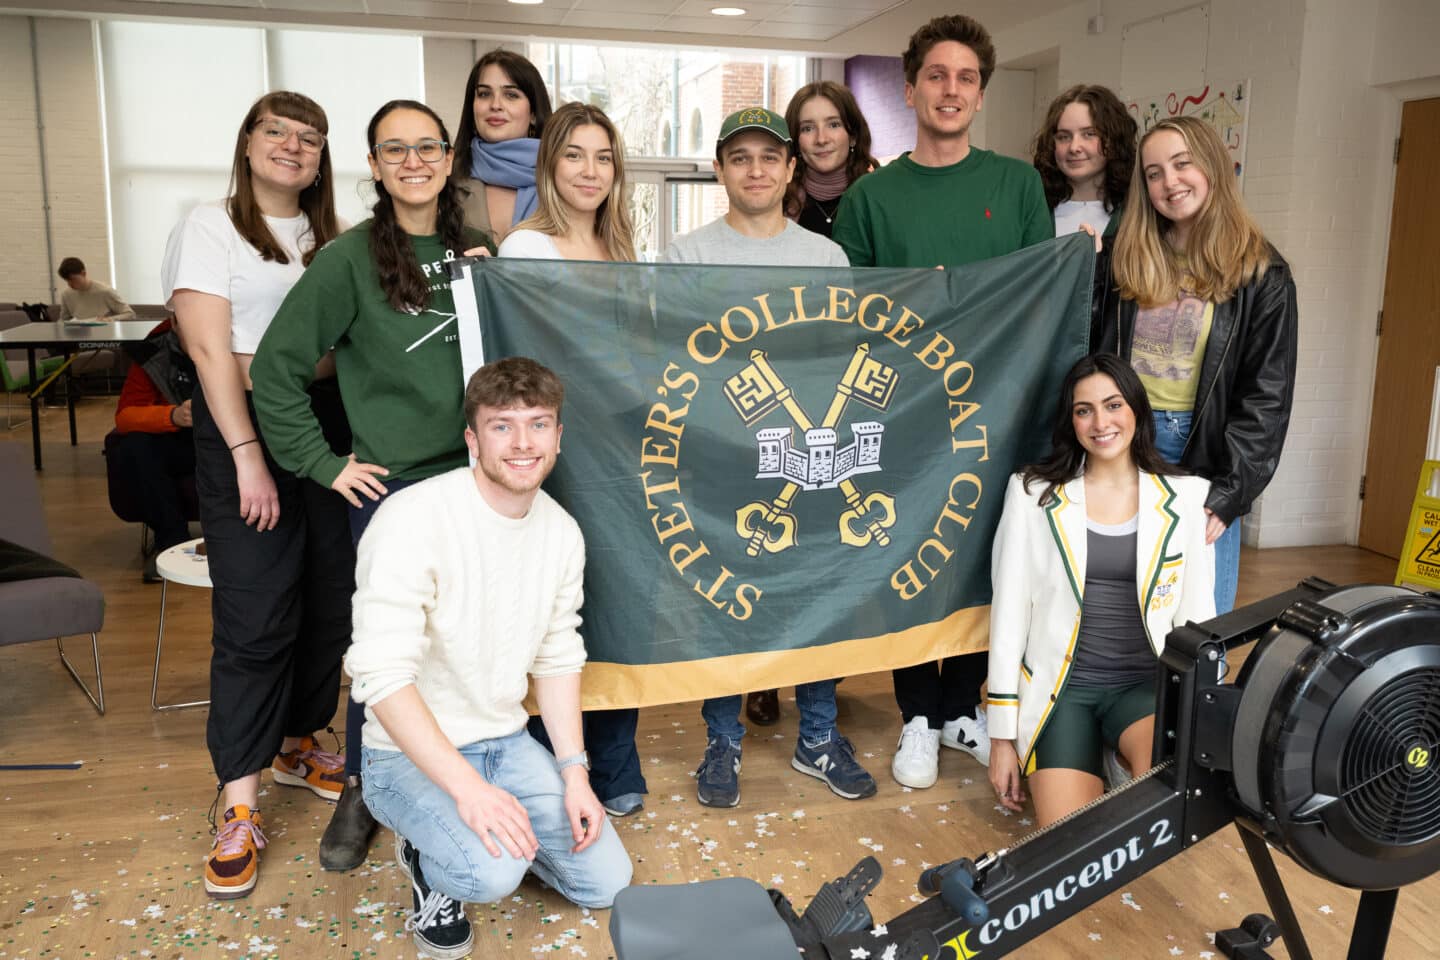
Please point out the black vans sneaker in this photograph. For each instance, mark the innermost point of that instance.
(437, 923)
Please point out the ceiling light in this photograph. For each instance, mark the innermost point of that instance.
(728, 11)
(527, 2)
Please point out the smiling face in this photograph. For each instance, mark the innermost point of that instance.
(1178, 188)
(412, 183)
(946, 93)
(1078, 151)
(754, 168)
(514, 449)
(1104, 422)
(502, 111)
(821, 137)
(585, 169)
(284, 165)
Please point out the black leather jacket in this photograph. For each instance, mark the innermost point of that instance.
(1247, 381)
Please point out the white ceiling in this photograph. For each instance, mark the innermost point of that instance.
(807, 25)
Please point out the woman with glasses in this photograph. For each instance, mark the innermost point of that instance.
(581, 215)
(501, 120)
(380, 294)
(279, 550)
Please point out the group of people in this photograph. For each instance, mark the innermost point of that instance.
(333, 436)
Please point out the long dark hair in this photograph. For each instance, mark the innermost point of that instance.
(859, 163)
(405, 286)
(1067, 456)
(317, 201)
(1117, 131)
(523, 74)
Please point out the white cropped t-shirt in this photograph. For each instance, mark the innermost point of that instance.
(206, 253)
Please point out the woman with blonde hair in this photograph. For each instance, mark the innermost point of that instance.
(580, 188)
(1204, 308)
(581, 215)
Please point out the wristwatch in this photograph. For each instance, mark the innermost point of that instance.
(581, 759)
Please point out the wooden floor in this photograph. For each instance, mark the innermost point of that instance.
(105, 861)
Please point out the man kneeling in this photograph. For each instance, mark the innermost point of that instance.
(466, 583)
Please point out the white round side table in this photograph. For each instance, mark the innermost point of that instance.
(177, 564)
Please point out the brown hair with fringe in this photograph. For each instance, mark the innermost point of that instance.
(857, 164)
(1225, 248)
(512, 382)
(612, 218)
(1117, 130)
(317, 201)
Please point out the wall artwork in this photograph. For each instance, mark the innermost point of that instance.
(1224, 107)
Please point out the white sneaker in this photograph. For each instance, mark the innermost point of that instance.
(917, 758)
(971, 734)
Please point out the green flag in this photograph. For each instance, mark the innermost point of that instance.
(784, 474)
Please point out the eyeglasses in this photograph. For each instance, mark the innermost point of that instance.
(395, 151)
(277, 131)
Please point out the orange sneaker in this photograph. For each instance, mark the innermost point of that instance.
(323, 774)
(233, 865)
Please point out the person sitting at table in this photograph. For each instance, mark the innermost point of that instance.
(155, 449)
(88, 299)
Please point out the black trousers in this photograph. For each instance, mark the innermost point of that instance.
(153, 465)
(281, 600)
(941, 691)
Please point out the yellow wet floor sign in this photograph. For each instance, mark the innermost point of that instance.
(1420, 553)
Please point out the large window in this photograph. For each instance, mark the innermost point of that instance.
(668, 103)
(174, 98)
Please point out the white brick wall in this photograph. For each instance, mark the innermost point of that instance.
(1318, 179)
(74, 157)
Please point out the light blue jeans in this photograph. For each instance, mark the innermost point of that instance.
(817, 713)
(1172, 429)
(453, 859)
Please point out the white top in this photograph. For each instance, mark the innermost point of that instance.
(530, 245)
(463, 603)
(1069, 214)
(206, 253)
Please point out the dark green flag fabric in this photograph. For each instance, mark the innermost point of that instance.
(784, 474)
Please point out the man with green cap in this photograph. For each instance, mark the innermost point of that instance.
(754, 162)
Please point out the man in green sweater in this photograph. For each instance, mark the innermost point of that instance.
(945, 203)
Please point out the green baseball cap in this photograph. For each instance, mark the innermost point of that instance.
(753, 118)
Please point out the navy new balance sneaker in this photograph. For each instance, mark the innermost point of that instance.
(717, 781)
(833, 760)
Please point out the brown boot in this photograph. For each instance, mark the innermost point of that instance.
(763, 707)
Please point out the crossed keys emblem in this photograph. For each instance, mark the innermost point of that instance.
(755, 391)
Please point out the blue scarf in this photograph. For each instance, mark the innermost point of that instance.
(509, 163)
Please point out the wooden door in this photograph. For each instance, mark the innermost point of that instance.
(1409, 336)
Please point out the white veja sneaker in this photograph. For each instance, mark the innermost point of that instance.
(971, 734)
(917, 758)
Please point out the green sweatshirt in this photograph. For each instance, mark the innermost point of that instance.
(909, 215)
(399, 372)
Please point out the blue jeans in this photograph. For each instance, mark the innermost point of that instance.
(453, 859)
(817, 713)
(1172, 430)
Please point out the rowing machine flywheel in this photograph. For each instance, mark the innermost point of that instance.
(1336, 745)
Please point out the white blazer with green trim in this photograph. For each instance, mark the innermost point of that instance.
(1038, 577)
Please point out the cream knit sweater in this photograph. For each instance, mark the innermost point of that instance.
(466, 604)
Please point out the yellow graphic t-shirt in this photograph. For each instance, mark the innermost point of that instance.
(1168, 348)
